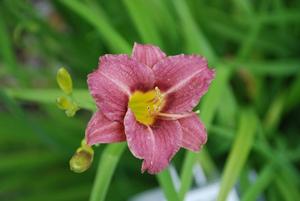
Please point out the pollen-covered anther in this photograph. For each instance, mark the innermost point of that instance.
(146, 105)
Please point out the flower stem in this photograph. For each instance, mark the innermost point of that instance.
(166, 183)
(106, 167)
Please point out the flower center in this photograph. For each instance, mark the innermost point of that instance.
(146, 105)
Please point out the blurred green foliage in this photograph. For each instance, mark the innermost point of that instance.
(251, 111)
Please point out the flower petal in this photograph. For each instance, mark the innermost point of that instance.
(184, 79)
(156, 144)
(102, 130)
(113, 82)
(147, 54)
(193, 133)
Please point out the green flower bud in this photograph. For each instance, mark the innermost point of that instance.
(72, 109)
(63, 103)
(64, 80)
(81, 161)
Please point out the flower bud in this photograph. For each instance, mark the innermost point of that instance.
(63, 103)
(64, 80)
(68, 105)
(72, 109)
(82, 159)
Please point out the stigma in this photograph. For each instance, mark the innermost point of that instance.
(146, 106)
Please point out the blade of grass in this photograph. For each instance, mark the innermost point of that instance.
(106, 167)
(79, 192)
(208, 109)
(238, 35)
(212, 99)
(207, 163)
(293, 97)
(99, 20)
(284, 190)
(263, 180)
(244, 7)
(287, 15)
(239, 152)
(244, 179)
(274, 113)
(186, 174)
(165, 181)
(23, 119)
(278, 68)
(279, 7)
(143, 20)
(166, 22)
(27, 160)
(196, 42)
(7, 54)
(81, 96)
(228, 113)
(282, 160)
(288, 176)
(248, 43)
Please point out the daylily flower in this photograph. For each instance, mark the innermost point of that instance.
(147, 99)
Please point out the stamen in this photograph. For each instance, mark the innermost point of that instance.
(157, 91)
(168, 116)
(146, 105)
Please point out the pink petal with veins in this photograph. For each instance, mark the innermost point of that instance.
(193, 133)
(147, 54)
(113, 82)
(102, 130)
(184, 79)
(156, 144)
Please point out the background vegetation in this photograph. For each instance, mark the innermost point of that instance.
(251, 111)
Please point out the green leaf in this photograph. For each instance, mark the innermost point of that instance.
(27, 160)
(248, 43)
(165, 181)
(293, 97)
(208, 110)
(106, 167)
(7, 54)
(141, 14)
(277, 68)
(274, 113)
(48, 96)
(186, 174)
(284, 189)
(207, 163)
(212, 99)
(239, 152)
(98, 19)
(196, 42)
(262, 181)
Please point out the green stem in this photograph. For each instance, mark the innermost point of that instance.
(101, 23)
(165, 181)
(207, 111)
(106, 167)
(263, 180)
(239, 152)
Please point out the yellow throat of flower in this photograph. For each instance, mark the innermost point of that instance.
(146, 105)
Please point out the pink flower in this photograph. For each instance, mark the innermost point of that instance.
(147, 99)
